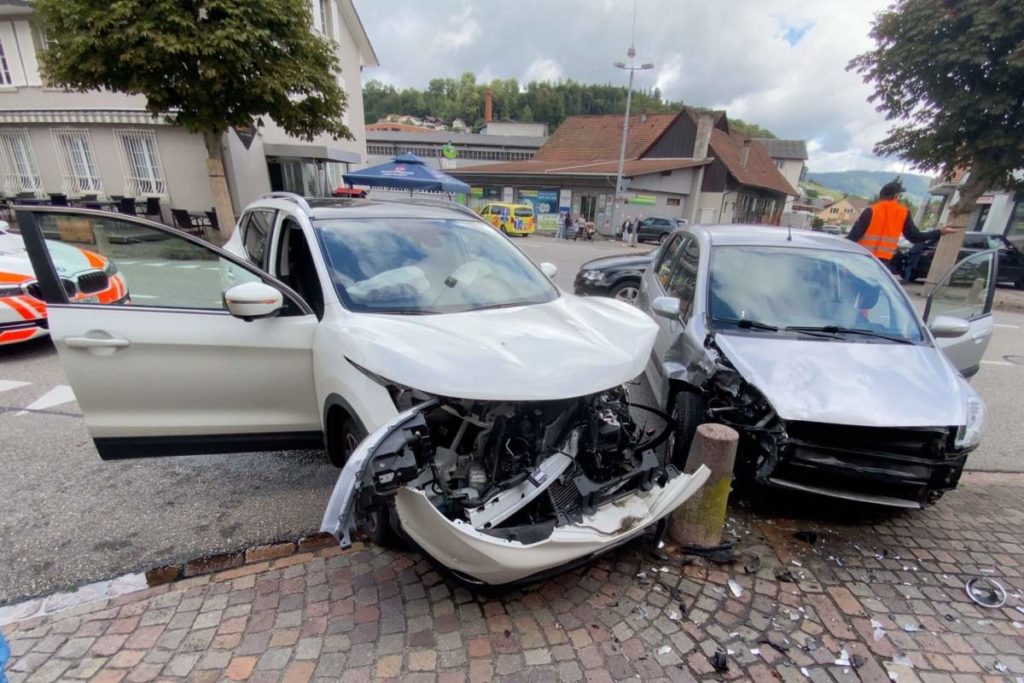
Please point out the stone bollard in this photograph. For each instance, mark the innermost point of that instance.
(699, 521)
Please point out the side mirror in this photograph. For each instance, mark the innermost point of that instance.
(666, 307)
(253, 300)
(549, 269)
(947, 326)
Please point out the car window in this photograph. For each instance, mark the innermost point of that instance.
(964, 293)
(787, 287)
(683, 280)
(427, 266)
(256, 229)
(667, 260)
(105, 260)
(524, 212)
(486, 210)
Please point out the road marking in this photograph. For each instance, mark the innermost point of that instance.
(1012, 327)
(8, 384)
(188, 266)
(996, 362)
(127, 263)
(158, 264)
(61, 393)
(144, 296)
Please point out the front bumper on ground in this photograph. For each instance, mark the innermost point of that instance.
(495, 561)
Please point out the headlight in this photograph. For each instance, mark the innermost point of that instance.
(110, 269)
(593, 275)
(969, 435)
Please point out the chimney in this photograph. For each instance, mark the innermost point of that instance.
(745, 152)
(701, 142)
(488, 106)
(643, 115)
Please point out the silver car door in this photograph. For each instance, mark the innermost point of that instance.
(966, 292)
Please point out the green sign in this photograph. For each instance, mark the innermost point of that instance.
(449, 151)
(643, 200)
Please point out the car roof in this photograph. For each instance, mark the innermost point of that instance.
(773, 236)
(334, 208)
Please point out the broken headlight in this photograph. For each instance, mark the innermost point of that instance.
(969, 434)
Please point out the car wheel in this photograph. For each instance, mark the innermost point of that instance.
(382, 527)
(626, 291)
(342, 439)
(1019, 284)
(687, 413)
(662, 237)
(504, 229)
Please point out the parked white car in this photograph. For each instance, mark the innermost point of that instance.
(476, 409)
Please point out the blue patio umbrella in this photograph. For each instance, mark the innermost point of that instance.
(407, 172)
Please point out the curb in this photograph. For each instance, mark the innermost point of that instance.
(242, 562)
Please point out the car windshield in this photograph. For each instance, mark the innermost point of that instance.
(841, 293)
(421, 266)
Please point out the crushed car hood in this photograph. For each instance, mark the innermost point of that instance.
(572, 346)
(850, 383)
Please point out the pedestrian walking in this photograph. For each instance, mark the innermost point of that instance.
(624, 228)
(564, 226)
(634, 230)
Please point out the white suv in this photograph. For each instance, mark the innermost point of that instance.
(478, 411)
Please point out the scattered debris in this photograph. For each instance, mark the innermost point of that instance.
(911, 628)
(879, 631)
(776, 641)
(755, 651)
(805, 671)
(844, 658)
(736, 589)
(857, 661)
(641, 612)
(785, 575)
(903, 660)
(1000, 667)
(985, 591)
(949, 617)
(796, 563)
(808, 537)
(664, 650)
(674, 616)
(719, 661)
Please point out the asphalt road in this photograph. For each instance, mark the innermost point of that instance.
(69, 518)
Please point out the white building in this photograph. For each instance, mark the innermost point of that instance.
(99, 143)
(790, 157)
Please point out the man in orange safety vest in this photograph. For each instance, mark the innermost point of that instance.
(879, 226)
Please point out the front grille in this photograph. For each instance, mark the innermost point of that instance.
(34, 291)
(93, 281)
(928, 442)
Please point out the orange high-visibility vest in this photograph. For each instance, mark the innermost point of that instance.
(882, 237)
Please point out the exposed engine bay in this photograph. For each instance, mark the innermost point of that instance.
(515, 474)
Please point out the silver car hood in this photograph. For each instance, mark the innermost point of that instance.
(572, 346)
(850, 383)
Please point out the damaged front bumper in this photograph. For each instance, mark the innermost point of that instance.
(471, 548)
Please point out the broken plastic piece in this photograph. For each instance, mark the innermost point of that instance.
(664, 650)
(719, 661)
(785, 576)
(736, 589)
(844, 658)
(911, 628)
(985, 591)
(903, 660)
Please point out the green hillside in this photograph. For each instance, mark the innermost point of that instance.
(867, 183)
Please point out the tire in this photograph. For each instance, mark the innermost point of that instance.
(343, 439)
(662, 237)
(626, 291)
(1019, 284)
(383, 528)
(688, 410)
(504, 230)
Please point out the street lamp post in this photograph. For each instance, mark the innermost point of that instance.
(631, 53)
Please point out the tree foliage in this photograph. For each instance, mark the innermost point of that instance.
(951, 74)
(449, 99)
(210, 64)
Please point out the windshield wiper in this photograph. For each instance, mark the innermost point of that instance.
(745, 324)
(835, 329)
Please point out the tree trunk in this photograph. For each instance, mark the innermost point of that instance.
(948, 249)
(219, 185)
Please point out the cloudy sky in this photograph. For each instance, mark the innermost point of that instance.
(778, 63)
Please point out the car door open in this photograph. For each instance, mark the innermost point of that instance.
(172, 365)
(965, 293)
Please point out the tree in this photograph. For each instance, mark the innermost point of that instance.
(952, 74)
(207, 65)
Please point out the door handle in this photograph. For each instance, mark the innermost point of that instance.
(96, 343)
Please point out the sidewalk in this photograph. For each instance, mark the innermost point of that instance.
(852, 601)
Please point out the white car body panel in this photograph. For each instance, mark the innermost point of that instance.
(572, 346)
(496, 561)
(187, 373)
(839, 382)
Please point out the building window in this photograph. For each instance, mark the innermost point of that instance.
(18, 162)
(140, 159)
(779, 163)
(5, 67)
(77, 161)
(322, 16)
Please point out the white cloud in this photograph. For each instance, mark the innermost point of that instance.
(543, 69)
(778, 63)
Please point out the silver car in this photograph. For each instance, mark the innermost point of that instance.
(807, 345)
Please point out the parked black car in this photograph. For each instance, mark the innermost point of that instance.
(1011, 260)
(614, 276)
(656, 229)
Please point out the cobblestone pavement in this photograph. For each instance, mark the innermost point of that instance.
(842, 601)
